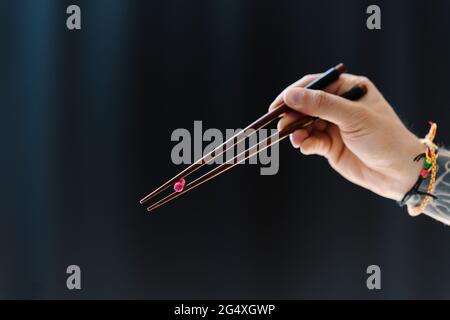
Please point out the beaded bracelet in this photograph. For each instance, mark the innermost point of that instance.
(429, 166)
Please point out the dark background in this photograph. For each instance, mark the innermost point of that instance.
(86, 119)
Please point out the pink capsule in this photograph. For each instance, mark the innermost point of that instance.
(178, 187)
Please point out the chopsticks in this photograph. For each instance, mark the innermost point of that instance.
(354, 94)
(324, 80)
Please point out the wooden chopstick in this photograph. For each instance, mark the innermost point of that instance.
(354, 94)
(324, 80)
(257, 148)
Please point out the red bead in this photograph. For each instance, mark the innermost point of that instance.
(178, 187)
(424, 173)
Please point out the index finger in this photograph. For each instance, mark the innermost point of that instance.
(303, 82)
(343, 84)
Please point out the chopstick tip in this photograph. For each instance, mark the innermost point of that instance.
(145, 199)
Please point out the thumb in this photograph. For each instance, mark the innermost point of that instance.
(333, 108)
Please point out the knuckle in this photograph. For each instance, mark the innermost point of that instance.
(364, 80)
(319, 99)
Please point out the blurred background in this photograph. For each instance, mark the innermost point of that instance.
(86, 120)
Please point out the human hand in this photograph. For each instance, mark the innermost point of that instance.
(364, 141)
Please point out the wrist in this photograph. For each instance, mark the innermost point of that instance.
(408, 170)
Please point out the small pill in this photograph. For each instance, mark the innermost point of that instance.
(179, 186)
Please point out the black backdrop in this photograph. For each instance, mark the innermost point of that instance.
(86, 123)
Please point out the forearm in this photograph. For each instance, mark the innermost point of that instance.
(438, 208)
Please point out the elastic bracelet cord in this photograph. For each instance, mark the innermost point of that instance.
(429, 166)
(415, 191)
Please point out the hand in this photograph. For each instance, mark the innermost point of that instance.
(364, 141)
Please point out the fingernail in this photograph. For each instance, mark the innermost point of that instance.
(291, 138)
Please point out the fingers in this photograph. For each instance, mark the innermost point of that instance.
(321, 104)
(288, 118)
(314, 143)
(343, 84)
(327, 105)
(318, 143)
(346, 82)
(298, 136)
(303, 82)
